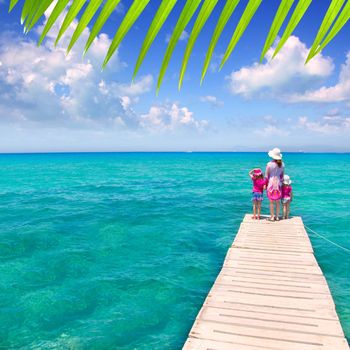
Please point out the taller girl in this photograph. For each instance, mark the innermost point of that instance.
(274, 174)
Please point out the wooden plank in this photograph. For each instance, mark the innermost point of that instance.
(258, 283)
(266, 338)
(279, 293)
(291, 257)
(270, 294)
(292, 310)
(273, 266)
(272, 321)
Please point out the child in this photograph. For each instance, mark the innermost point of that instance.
(259, 185)
(287, 196)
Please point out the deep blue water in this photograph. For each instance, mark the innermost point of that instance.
(118, 251)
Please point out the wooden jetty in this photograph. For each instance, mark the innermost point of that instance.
(270, 294)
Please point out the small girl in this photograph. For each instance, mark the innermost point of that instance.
(287, 196)
(259, 185)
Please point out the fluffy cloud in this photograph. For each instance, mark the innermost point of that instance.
(183, 37)
(268, 126)
(337, 93)
(327, 125)
(213, 100)
(45, 84)
(47, 87)
(286, 71)
(170, 117)
(272, 130)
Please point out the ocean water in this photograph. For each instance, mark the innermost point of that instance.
(118, 251)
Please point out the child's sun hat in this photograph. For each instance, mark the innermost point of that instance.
(257, 172)
(287, 180)
(275, 154)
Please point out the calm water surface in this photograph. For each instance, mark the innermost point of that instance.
(118, 251)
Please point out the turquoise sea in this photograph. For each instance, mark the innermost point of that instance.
(118, 251)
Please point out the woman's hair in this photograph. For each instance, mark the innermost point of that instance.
(279, 162)
(260, 176)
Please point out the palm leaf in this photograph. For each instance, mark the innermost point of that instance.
(297, 15)
(337, 15)
(43, 6)
(281, 15)
(26, 9)
(338, 25)
(84, 21)
(29, 5)
(248, 14)
(58, 9)
(329, 18)
(157, 23)
(131, 16)
(186, 15)
(72, 13)
(202, 18)
(107, 10)
(13, 3)
(226, 13)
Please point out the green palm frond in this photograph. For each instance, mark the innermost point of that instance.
(224, 17)
(37, 14)
(72, 13)
(339, 24)
(281, 15)
(248, 14)
(329, 18)
(186, 15)
(202, 18)
(107, 10)
(156, 25)
(28, 8)
(12, 4)
(84, 21)
(83, 12)
(297, 15)
(131, 16)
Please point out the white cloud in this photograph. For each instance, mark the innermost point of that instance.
(213, 100)
(272, 130)
(286, 71)
(272, 126)
(171, 117)
(45, 84)
(120, 8)
(139, 87)
(183, 37)
(328, 124)
(337, 93)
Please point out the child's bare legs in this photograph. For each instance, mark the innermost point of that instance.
(287, 209)
(259, 209)
(285, 215)
(255, 205)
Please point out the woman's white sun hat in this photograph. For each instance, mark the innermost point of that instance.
(275, 154)
(287, 180)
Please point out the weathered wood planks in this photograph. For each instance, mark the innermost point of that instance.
(270, 294)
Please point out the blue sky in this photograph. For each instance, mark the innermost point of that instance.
(53, 102)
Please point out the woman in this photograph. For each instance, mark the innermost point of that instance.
(274, 174)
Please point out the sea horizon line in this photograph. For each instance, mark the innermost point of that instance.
(165, 152)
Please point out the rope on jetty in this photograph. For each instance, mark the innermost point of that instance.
(328, 240)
